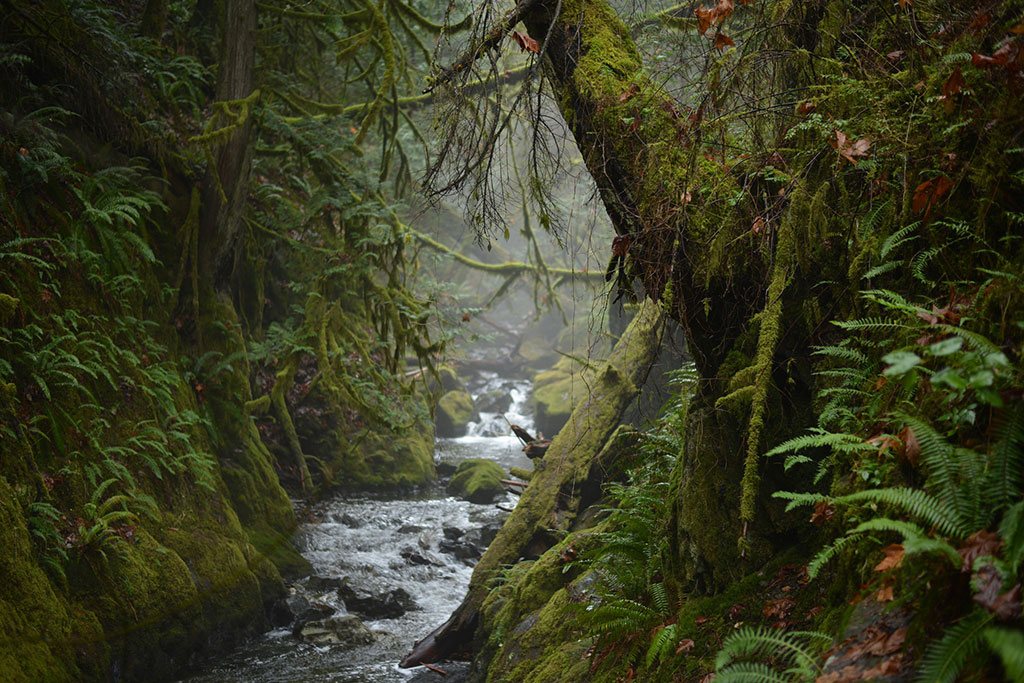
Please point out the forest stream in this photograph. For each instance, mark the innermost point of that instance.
(382, 545)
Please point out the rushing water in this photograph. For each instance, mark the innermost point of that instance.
(378, 544)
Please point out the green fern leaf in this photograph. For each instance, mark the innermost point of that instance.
(946, 658)
(1009, 645)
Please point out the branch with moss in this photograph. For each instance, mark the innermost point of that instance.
(508, 268)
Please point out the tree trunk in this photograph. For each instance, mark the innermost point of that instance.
(644, 154)
(225, 187)
(568, 479)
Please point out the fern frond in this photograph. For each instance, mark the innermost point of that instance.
(898, 239)
(1007, 461)
(820, 438)
(914, 538)
(944, 659)
(825, 554)
(750, 672)
(1009, 646)
(661, 645)
(843, 353)
(914, 502)
(761, 641)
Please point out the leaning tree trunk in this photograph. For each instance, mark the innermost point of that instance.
(568, 478)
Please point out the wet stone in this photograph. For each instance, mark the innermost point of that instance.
(466, 552)
(350, 521)
(388, 605)
(323, 584)
(414, 556)
(344, 629)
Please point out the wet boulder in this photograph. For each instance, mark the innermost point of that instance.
(303, 611)
(322, 584)
(454, 412)
(494, 401)
(388, 605)
(554, 395)
(481, 537)
(467, 552)
(343, 629)
(477, 480)
(421, 557)
(450, 672)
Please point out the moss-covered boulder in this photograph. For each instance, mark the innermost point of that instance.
(454, 412)
(477, 480)
(552, 400)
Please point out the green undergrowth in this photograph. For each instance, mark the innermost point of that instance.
(162, 385)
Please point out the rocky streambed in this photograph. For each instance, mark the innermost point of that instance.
(387, 569)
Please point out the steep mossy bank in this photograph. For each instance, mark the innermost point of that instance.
(180, 350)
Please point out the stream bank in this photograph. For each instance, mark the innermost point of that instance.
(400, 562)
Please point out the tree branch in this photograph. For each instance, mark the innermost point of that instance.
(487, 42)
(507, 268)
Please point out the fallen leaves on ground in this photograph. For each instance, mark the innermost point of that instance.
(893, 557)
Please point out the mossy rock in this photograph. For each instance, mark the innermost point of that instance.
(35, 621)
(477, 480)
(454, 412)
(554, 396)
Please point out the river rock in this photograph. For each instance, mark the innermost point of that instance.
(304, 612)
(466, 552)
(481, 537)
(414, 556)
(389, 605)
(477, 480)
(494, 401)
(452, 533)
(322, 584)
(345, 629)
(454, 412)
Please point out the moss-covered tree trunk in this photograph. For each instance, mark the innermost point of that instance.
(636, 143)
(225, 187)
(568, 479)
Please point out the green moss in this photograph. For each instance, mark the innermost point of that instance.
(34, 622)
(454, 411)
(477, 480)
(547, 507)
(8, 306)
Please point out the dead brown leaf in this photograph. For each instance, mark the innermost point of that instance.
(851, 151)
(979, 544)
(911, 446)
(823, 512)
(525, 42)
(629, 92)
(685, 645)
(723, 41)
(989, 584)
(893, 557)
